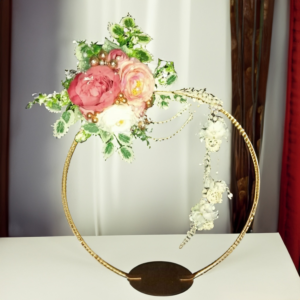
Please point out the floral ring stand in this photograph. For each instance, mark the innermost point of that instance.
(162, 278)
(110, 94)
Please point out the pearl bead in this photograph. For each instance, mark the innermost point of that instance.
(118, 57)
(89, 115)
(102, 55)
(94, 61)
(113, 63)
(124, 100)
(95, 120)
(117, 102)
(102, 62)
(121, 95)
(141, 124)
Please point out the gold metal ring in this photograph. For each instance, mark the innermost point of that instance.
(210, 266)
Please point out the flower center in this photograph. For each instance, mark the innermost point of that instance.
(138, 88)
(120, 123)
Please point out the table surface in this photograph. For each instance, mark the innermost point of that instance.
(57, 268)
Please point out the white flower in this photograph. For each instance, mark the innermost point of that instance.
(203, 214)
(215, 192)
(212, 133)
(117, 118)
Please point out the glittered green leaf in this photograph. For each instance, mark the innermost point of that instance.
(116, 30)
(66, 83)
(108, 150)
(171, 79)
(83, 65)
(165, 73)
(91, 128)
(64, 98)
(124, 139)
(82, 136)
(105, 136)
(60, 128)
(163, 97)
(143, 39)
(109, 45)
(143, 55)
(53, 107)
(95, 48)
(126, 153)
(29, 105)
(128, 22)
(68, 117)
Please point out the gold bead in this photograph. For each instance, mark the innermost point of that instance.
(141, 124)
(89, 115)
(146, 121)
(94, 61)
(113, 64)
(121, 95)
(149, 103)
(117, 102)
(95, 120)
(102, 55)
(124, 100)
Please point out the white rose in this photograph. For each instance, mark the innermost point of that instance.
(117, 118)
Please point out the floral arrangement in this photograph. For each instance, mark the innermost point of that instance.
(110, 93)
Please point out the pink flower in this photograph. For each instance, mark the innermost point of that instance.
(137, 84)
(118, 55)
(94, 90)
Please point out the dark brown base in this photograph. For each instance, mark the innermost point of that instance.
(160, 278)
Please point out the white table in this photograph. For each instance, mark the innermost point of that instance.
(59, 268)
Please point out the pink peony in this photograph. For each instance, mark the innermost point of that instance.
(94, 90)
(117, 54)
(137, 84)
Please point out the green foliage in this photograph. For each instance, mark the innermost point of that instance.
(116, 30)
(69, 117)
(105, 136)
(60, 128)
(126, 153)
(124, 139)
(108, 150)
(140, 134)
(66, 83)
(180, 98)
(91, 128)
(128, 22)
(82, 136)
(143, 55)
(165, 73)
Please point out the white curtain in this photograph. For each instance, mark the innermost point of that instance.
(154, 194)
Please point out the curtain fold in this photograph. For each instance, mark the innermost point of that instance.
(5, 54)
(289, 209)
(251, 30)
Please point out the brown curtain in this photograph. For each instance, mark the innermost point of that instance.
(251, 30)
(5, 54)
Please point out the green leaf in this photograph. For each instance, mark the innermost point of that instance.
(91, 128)
(95, 48)
(82, 136)
(29, 105)
(53, 107)
(124, 139)
(105, 136)
(83, 65)
(109, 45)
(128, 22)
(163, 97)
(165, 73)
(164, 104)
(143, 55)
(60, 128)
(143, 39)
(68, 117)
(171, 79)
(64, 98)
(77, 113)
(108, 150)
(126, 153)
(116, 30)
(66, 83)
(180, 98)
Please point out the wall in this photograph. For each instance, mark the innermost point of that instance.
(155, 193)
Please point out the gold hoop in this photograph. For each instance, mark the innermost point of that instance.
(210, 266)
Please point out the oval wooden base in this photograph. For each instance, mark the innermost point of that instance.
(160, 278)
